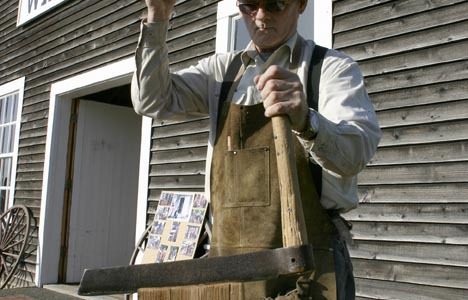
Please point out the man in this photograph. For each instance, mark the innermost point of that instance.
(242, 182)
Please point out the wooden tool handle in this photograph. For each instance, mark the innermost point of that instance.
(292, 215)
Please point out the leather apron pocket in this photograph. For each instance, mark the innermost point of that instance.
(247, 177)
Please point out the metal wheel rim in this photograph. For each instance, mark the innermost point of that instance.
(14, 233)
(140, 248)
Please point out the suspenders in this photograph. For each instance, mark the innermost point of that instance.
(313, 83)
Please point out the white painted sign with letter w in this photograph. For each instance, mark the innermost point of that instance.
(29, 9)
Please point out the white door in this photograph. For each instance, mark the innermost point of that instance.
(104, 188)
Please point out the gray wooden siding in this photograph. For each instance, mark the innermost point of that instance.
(178, 150)
(73, 38)
(177, 162)
(411, 229)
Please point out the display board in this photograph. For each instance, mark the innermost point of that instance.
(176, 227)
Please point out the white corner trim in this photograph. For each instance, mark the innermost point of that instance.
(143, 182)
(323, 22)
(53, 184)
(227, 10)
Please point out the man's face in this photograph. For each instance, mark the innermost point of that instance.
(271, 22)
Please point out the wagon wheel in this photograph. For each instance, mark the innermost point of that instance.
(14, 233)
(138, 252)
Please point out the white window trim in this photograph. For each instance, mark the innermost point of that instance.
(227, 12)
(53, 185)
(16, 86)
(321, 22)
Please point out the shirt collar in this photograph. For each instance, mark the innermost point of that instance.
(250, 53)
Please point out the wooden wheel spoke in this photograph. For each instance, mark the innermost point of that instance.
(16, 256)
(13, 230)
(7, 234)
(9, 246)
(3, 230)
(4, 264)
(2, 261)
(10, 216)
(13, 235)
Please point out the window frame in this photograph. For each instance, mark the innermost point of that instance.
(13, 87)
(318, 16)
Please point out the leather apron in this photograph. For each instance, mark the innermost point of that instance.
(246, 205)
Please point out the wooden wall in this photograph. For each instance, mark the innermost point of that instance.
(77, 36)
(178, 150)
(411, 228)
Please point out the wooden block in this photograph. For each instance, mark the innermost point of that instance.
(215, 291)
(153, 294)
(221, 291)
(185, 293)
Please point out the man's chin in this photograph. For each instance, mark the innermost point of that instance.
(266, 45)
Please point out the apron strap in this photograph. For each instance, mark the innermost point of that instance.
(229, 79)
(313, 85)
(313, 77)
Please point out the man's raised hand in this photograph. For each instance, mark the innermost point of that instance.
(159, 10)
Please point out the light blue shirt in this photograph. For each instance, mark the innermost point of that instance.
(348, 132)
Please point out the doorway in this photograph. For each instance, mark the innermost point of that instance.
(100, 205)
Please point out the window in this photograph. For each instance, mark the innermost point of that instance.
(231, 31)
(314, 23)
(11, 102)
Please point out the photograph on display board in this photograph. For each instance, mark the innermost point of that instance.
(176, 227)
(180, 207)
(174, 232)
(173, 253)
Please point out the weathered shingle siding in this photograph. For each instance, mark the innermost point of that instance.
(411, 228)
(73, 38)
(178, 150)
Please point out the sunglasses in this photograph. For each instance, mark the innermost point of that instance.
(251, 7)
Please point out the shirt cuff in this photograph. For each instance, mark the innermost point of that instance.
(153, 34)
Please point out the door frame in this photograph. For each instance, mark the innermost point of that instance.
(55, 163)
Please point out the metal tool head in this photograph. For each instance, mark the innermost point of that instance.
(261, 265)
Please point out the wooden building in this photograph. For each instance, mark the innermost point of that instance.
(91, 171)
(411, 229)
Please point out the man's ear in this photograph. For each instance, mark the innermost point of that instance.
(302, 6)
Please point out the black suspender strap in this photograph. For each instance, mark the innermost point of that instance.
(229, 78)
(313, 77)
(313, 84)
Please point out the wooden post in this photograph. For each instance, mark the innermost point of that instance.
(292, 215)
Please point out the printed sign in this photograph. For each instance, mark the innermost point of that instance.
(29, 9)
(176, 227)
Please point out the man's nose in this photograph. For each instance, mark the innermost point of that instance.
(260, 14)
